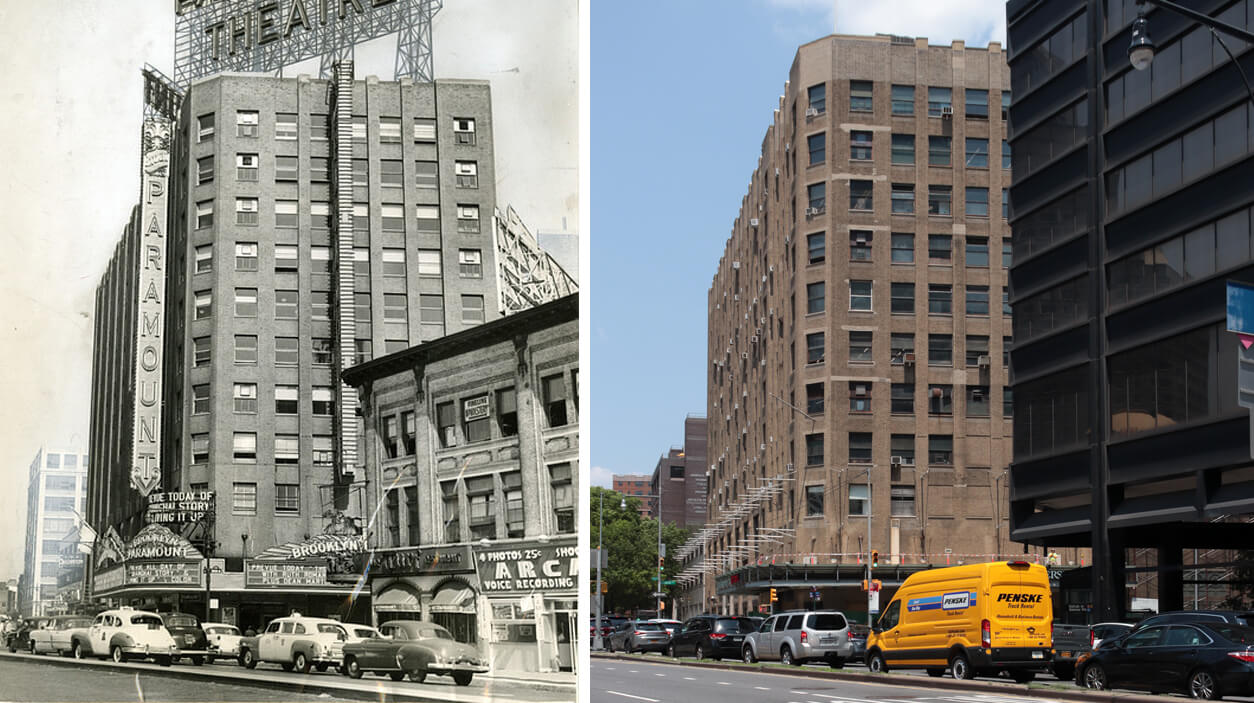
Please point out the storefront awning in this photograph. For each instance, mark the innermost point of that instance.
(397, 597)
(453, 599)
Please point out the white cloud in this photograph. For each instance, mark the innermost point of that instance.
(975, 21)
(602, 477)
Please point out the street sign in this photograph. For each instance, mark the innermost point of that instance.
(668, 583)
(661, 549)
(873, 601)
(659, 594)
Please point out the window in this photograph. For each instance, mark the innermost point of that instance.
(939, 247)
(1007, 402)
(424, 129)
(977, 202)
(818, 148)
(859, 195)
(323, 351)
(902, 500)
(902, 298)
(245, 211)
(1005, 154)
(507, 412)
(204, 170)
(977, 104)
(472, 309)
(446, 424)
(939, 101)
(553, 389)
(246, 122)
(286, 399)
(860, 346)
(286, 351)
(815, 297)
(200, 399)
(285, 126)
(394, 262)
(511, 485)
(977, 300)
(286, 304)
(903, 100)
(860, 96)
(977, 252)
(1005, 203)
(814, 450)
(204, 214)
(902, 248)
(323, 401)
(814, 501)
(245, 302)
(940, 299)
(409, 432)
(903, 149)
(427, 175)
(431, 309)
(245, 349)
(394, 307)
(977, 346)
(940, 350)
(391, 175)
(860, 245)
(1007, 254)
(320, 215)
(977, 401)
(475, 420)
(468, 219)
(464, 131)
(940, 399)
(899, 345)
(940, 449)
(323, 451)
(286, 214)
(939, 150)
(285, 258)
(817, 246)
(393, 217)
(286, 168)
(244, 448)
(200, 448)
(859, 447)
(902, 447)
(814, 348)
(319, 128)
(204, 304)
(1005, 301)
(859, 145)
(860, 396)
(940, 200)
(204, 128)
(469, 263)
(816, 198)
(245, 256)
(389, 130)
(859, 500)
(200, 351)
(1005, 104)
(563, 487)
(903, 199)
(204, 258)
(977, 153)
(362, 350)
(246, 398)
(360, 173)
(860, 295)
(244, 498)
(814, 398)
(286, 498)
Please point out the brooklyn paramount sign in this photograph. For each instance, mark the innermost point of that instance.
(271, 20)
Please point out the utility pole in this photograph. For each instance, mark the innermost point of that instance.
(598, 643)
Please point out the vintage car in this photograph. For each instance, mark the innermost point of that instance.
(188, 635)
(19, 639)
(415, 649)
(126, 633)
(296, 642)
(222, 639)
(56, 637)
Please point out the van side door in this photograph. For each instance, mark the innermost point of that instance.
(890, 632)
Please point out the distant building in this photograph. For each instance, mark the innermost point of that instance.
(680, 478)
(528, 276)
(636, 485)
(56, 491)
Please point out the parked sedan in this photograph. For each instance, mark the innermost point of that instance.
(414, 649)
(1205, 661)
(20, 638)
(188, 635)
(1103, 631)
(639, 636)
(715, 636)
(223, 639)
(671, 625)
(56, 638)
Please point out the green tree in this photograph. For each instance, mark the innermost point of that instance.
(631, 542)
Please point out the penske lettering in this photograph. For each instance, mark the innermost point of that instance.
(1020, 597)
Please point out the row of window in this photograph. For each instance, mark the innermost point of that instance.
(939, 149)
(244, 498)
(286, 127)
(53, 482)
(940, 348)
(901, 298)
(430, 261)
(286, 400)
(484, 493)
(392, 215)
(286, 449)
(395, 306)
(391, 173)
(940, 449)
(57, 504)
(287, 350)
(54, 460)
(939, 100)
(939, 199)
(1050, 139)
(939, 396)
(1055, 222)
(1052, 54)
(901, 500)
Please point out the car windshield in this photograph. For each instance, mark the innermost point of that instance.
(332, 629)
(648, 627)
(364, 632)
(180, 621)
(1235, 633)
(152, 622)
(734, 625)
(78, 622)
(223, 630)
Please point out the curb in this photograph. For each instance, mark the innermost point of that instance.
(889, 679)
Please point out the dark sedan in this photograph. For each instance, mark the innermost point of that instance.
(188, 635)
(715, 636)
(415, 649)
(639, 636)
(1203, 660)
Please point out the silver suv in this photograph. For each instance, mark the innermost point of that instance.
(798, 637)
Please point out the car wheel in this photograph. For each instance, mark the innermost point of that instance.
(301, 663)
(960, 667)
(1202, 684)
(700, 652)
(785, 657)
(197, 660)
(1095, 677)
(936, 672)
(462, 678)
(117, 654)
(351, 668)
(321, 666)
(1064, 671)
(609, 646)
(747, 655)
(876, 664)
(247, 659)
(164, 661)
(77, 652)
(1021, 676)
(396, 675)
(629, 647)
(417, 676)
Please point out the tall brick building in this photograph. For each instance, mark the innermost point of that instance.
(679, 478)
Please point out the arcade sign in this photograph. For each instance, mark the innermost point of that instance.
(526, 568)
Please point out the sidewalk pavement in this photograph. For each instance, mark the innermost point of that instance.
(555, 680)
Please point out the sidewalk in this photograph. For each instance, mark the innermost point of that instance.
(555, 680)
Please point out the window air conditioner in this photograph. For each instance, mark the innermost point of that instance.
(812, 112)
(811, 211)
(909, 359)
(744, 355)
(947, 111)
(985, 362)
(977, 394)
(753, 222)
(859, 391)
(895, 460)
(761, 321)
(937, 393)
(788, 468)
(762, 447)
(762, 362)
(753, 339)
(736, 265)
(736, 297)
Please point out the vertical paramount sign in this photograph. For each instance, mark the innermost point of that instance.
(146, 448)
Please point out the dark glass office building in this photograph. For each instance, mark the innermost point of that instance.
(1131, 194)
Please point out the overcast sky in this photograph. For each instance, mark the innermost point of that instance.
(677, 128)
(69, 145)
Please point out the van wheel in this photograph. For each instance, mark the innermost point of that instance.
(117, 654)
(747, 655)
(936, 672)
(301, 663)
(960, 667)
(876, 664)
(247, 659)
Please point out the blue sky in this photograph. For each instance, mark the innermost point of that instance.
(682, 92)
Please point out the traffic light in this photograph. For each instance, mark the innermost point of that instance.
(875, 558)
(864, 584)
(605, 586)
(661, 562)
(774, 596)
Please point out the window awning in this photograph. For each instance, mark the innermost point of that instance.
(397, 597)
(453, 599)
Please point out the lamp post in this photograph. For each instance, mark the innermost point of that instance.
(1141, 50)
(599, 642)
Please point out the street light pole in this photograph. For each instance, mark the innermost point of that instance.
(598, 641)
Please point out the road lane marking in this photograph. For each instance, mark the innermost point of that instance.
(722, 683)
(762, 688)
(659, 674)
(632, 671)
(628, 695)
(689, 678)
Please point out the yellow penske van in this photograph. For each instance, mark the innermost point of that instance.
(973, 619)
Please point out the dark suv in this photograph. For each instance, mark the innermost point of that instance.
(714, 636)
(1232, 617)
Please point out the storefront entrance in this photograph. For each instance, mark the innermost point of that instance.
(399, 601)
(453, 607)
(564, 616)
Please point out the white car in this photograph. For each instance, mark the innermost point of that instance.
(357, 633)
(223, 639)
(127, 633)
(296, 642)
(56, 638)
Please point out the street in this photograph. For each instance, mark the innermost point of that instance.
(35, 678)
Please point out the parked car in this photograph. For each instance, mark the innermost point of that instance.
(670, 625)
(188, 634)
(715, 636)
(357, 632)
(639, 636)
(858, 635)
(19, 639)
(126, 633)
(1233, 617)
(1103, 631)
(1070, 643)
(414, 649)
(798, 637)
(296, 642)
(1205, 661)
(222, 640)
(606, 628)
(56, 637)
